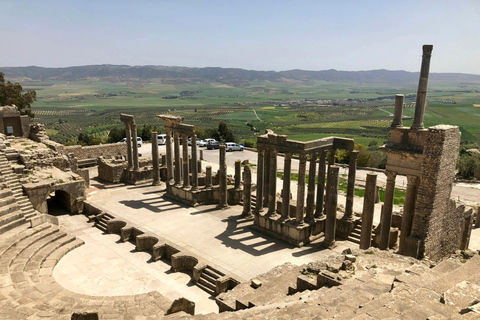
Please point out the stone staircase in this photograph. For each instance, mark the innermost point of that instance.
(354, 236)
(101, 222)
(11, 216)
(207, 281)
(14, 185)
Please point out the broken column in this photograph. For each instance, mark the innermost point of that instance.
(301, 189)
(260, 179)
(309, 214)
(408, 210)
(128, 132)
(287, 168)
(368, 211)
(422, 88)
(238, 174)
(352, 169)
(223, 178)
(135, 147)
(155, 159)
(320, 185)
(208, 177)
(398, 113)
(386, 217)
(331, 205)
(247, 192)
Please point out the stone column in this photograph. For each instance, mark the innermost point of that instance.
(477, 222)
(320, 185)
(208, 177)
(135, 147)
(247, 192)
(201, 155)
(398, 113)
(260, 180)
(223, 179)
(272, 189)
(331, 205)
(352, 169)
(194, 163)
(168, 145)
(311, 188)
(301, 189)
(422, 88)
(238, 174)
(155, 160)
(186, 173)
(178, 165)
(331, 157)
(199, 166)
(287, 168)
(128, 131)
(266, 174)
(408, 210)
(386, 218)
(368, 211)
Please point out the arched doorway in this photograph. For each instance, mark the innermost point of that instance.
(59, 202)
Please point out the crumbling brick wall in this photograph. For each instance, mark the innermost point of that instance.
(93, 152)
(434, 223)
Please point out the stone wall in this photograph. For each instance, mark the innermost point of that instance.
(93, 152)
(434, 224)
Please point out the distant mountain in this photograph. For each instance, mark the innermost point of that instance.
(231, 76)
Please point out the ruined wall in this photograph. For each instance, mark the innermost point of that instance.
(434, 224)
(93, 152)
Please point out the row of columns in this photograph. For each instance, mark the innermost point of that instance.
(174, 172)
(132, 150)
(266, 184)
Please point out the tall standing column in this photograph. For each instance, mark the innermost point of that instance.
(260, 180)
(128, 131)
(238, 173)
(368, 211)
(169, 160)
(422, 88)
(311, 188)
(352, 169)
(194, 163)
(272, 189)
(223, 179)
(386, 218)
(408, 210)
(155, 159)
(331, 156)
(320, 185)
(247, 192)
(186, 174)
(135, 147)
(301, 189)
(266, 177)
(178, 165)
(398, 113)
(331, 212)
(287, 168)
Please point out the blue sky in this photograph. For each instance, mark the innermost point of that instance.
(259, 35)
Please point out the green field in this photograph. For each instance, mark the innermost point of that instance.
(302, 110)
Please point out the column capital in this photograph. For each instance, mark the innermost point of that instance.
(411, 179)
(288, 156)
(354, 153)
(390, 174)
(302, 157)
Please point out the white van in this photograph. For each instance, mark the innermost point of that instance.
(162, 139)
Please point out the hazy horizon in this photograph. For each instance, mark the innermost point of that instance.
(250, 35)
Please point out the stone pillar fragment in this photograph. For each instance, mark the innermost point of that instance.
(477, 222)
(260, 181)
(223, 178)
(186, 173)
(194, 163)
(331, 205)
(247, 192)
(368, 211)
(301, 189)
(155, 159)
(320, 185)
(135, 147)
(178, 165)
(331, 157)
(208, 177)
(408, 210)
(287, 168)
(169, 157)
(238, 173)
(352, 169)
(272, 188)
(128, 131)
(386, 218)
(201, 155)
(309, 214)
(422, 88)
(398, 113)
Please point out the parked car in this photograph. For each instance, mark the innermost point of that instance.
(139, 141)
(204, 143)
(213, 145)
(232, 146)
(162, 139)
(190, 141)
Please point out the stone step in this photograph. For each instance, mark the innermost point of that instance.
(41, 255)
(8, 209)
(214, 273)
(208, 278)
(6, 219)
(205, 288)
(55, 256)
(468, 271)
(101, 227)
(14, 240)
(8, 201)
(12, 225)
(5, 193)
